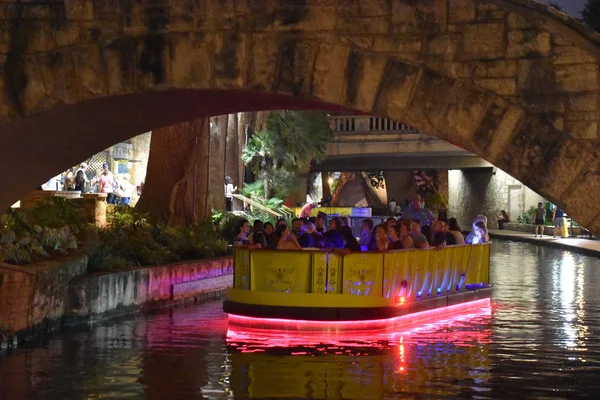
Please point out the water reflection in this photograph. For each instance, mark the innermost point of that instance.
(541, 341)
(430, 359)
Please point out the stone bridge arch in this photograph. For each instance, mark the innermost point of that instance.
(510, 80)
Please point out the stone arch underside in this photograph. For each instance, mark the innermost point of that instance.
(509, 80)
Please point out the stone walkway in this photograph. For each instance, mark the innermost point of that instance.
(587, 246)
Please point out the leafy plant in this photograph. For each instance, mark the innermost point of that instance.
(291, 141)
(21, 243)
(527, 216)
(56, 212)
(132, 240)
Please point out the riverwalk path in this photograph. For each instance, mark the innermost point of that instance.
(578, 245)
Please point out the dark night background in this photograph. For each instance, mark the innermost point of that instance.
(572, 7)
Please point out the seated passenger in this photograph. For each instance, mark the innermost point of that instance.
(366, 226)
(320, 222)
(241, 234)
(309, 237)
(455, 230)
(268, 231)
(333, 238)
(399, 236)
(391, 222)
(480, 218)
(481, 233)
(441, 236)
(379, 241)
(350, 241)
(280, 222)
(419, 240)
(297, 227)
(285, 239)
(344, 221)
(428, 233)
(257, 236)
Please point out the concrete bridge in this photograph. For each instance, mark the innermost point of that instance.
(364, 143)
(511, 81)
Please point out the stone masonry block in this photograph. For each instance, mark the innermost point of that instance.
(190, 60)
(263, 63)
(582, 195)
(571, 55)
(463, 113)
(364, 72)
(497, 128)
(529, 43)
(577, 77)
(395, 89)
(500, 86)
(443, 47)
(583, 129)
(563, 167)
(296, 62)
(460, 11)
(79, 9)
(483, 41)
(532, 144)
(91, 76)
(429, 101)
(328, 81)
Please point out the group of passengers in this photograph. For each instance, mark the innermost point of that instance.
(421, 231)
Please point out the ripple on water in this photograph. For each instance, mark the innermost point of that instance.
(539, 340)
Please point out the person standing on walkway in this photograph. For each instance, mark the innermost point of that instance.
(559, 222)
(539, 216)
(229, 189)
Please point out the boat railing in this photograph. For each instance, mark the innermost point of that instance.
(403, 275)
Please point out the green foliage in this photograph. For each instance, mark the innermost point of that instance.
(377, 179)
(288, 146)
(56, 212)
(435, 201)
(21, 243)
(591, 15)
(527, 217)
(132, 240)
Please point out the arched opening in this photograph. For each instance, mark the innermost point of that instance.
(510, 81)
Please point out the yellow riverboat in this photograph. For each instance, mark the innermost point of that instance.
(332, 290)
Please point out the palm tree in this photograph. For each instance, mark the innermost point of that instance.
(291, 141)
(258, 154)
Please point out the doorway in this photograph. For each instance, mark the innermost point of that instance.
(514, 202)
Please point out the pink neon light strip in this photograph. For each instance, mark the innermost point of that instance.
(374, 324)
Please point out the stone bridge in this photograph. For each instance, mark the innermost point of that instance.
(509, 80)
(365, 143)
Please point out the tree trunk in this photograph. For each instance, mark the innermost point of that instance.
(231, 154)
(218, 136)
(176, 186)
(325, 184)
(242, 129)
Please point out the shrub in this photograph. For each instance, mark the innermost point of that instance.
(56, 212)
(132, 240)
(22, 243)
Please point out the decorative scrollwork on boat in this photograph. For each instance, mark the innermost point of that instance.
(360, 279)
(281, 277)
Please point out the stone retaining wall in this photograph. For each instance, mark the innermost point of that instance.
(33, 298)
(93, 297)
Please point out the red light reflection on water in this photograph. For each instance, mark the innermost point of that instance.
(258, 334)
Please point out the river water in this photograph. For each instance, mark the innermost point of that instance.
(540, 339)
